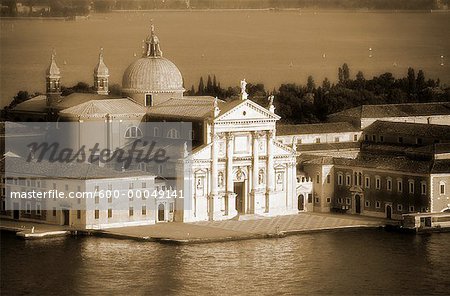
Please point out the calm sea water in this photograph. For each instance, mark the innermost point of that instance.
(368, 262)
(261, 46)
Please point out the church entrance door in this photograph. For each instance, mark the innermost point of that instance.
(240, 197)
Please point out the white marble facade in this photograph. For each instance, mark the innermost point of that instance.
(240, 170)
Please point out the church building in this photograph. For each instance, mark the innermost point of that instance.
(236, 166)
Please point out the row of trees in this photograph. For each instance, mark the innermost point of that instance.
(45, 8)
(309, 103)
(297, 103)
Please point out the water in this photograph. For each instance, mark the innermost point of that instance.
(356, 262)
(261, 46)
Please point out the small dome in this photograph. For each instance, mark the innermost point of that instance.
(152, 74)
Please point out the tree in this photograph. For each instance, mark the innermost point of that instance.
(360, 80)
(201, 87)
(310, 85)
(209, 86)
(420, 81)
(345, 72)
(340, 76)
(411, 80)
(326, 85)
(21, 96)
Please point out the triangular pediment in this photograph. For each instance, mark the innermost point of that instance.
(245, 110)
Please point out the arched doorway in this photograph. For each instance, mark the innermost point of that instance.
(301, 202)
(357, 204)
(388, 212)
(161, 212)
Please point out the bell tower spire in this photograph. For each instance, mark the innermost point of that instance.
(153, 49)
(53, 81)
(101, 75)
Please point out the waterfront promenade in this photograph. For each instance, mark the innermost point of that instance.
(252, 227)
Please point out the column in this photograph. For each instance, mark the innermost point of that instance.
(255, 173)
(230, 184)
(270, 169)
(231, 196)
(214, 175)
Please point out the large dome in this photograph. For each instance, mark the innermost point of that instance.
(152, 74)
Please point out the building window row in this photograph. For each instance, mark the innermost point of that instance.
(357, 180)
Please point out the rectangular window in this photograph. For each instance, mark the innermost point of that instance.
(367, 181)
(399, 208)
(317, 200)
(97, 199)
(374, 138)
(131, 211)
(340, 200)
(171, 207)
(110, 213)
(411, 208)
(355, 138)
(381, 138)
(442, 188)
(54, 212)
(399, 186)
(28, 208)
(400, 139)
(78, 214)
(419, 141)
(366, 137)
(378, 183)
(328, 199)
(349, 201)
(317, 140)
(377, 205)
(96, 214)
(389, 184)
(340, 179)
(144, 185)
(309, 198)
(367, 203)
(131, 186)
(328, 179)
(148, 100)
(336, 139)
(38, 209)
(317, 178)
(144, 210)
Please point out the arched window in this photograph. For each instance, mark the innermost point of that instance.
(173, 134)
(156, 131)
(133, 132)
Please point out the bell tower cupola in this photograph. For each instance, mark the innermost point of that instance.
(101, 75)
(53, 81)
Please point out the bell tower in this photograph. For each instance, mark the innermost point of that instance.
(101, 74)
(53, 82)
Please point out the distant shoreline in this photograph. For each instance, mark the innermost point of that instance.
(274, 10)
